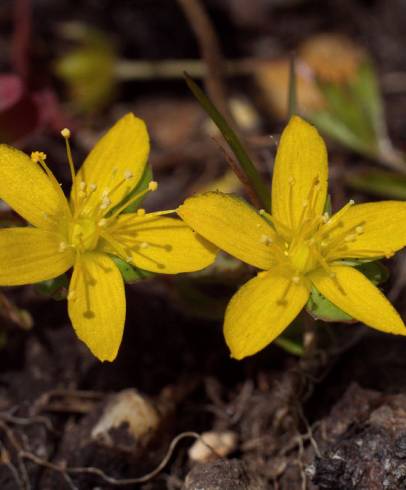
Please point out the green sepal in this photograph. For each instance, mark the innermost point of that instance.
(320, 308)
(246, 164)
(141, 186)
(130, 273)
(328, 207)
(55, 288)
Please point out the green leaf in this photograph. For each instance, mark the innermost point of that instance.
(55, 288)
(291, 340)
(379, 183)
(130, 273)
(366, 91)
(254, 178)
(336, 129)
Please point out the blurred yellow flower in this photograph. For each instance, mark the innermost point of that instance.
(86, 231)
(299, 246)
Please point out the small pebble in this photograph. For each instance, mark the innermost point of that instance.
(221, 444)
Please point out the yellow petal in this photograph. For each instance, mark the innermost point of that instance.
(160, 244)
(301, 162)
(231, 224)
(119, 155)
(260, 311)
(96, 304)
(29, 255)
(370, 230)
(28, 190)
(357, 296)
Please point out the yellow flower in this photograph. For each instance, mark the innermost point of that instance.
(87, 230)
(299, 246)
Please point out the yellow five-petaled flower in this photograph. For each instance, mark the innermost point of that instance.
(85, 231)
(299, 246)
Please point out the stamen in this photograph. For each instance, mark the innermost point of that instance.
(144, 245)
(359, 229)
(62, 246)
(296, 279)
(106, 202)
(66, 135)
(152, 186)
(128, 175)
(274, 222)
(282, 300)
(267, 240)
(102, 222)
(141, 212)
(38, 156)
(336, 217)
(350, 238)
(92, 187)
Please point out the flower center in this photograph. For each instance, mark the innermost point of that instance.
(299, 257)
(84, 234)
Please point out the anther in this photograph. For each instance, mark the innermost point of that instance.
(62, 246)
(324, 243)
(37, 156)
(82, 185)
(350, 238)
(65, 133)
(92, 187)
(265, 239)
(128, 175)
(296, 279)
(359, 229)
(105, 203)
(153, 186)
(102, 222)
(141, 212)
(144, 245)
(325, 217)
(291, 180)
